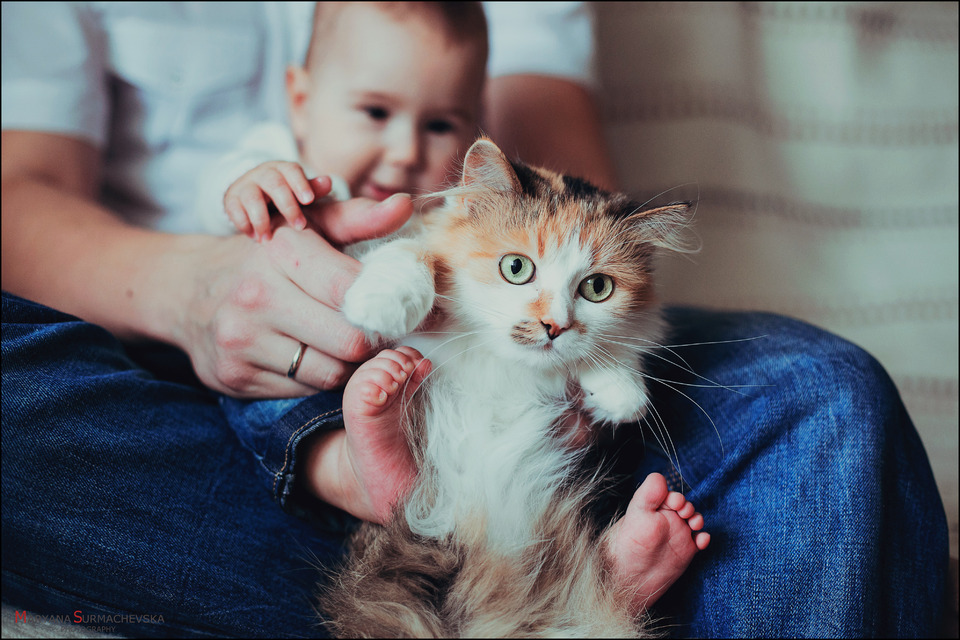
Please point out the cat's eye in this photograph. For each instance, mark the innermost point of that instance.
(596, 288)
(516, 269)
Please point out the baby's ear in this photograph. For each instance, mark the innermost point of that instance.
(298, 90)
(485, 166)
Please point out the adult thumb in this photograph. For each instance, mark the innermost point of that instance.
(359, 219)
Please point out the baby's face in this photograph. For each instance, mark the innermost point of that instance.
(391, 107)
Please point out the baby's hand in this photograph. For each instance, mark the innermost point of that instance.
(284, 184)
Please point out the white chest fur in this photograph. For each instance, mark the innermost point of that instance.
(492, 464)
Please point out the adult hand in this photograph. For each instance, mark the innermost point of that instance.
(253, 304)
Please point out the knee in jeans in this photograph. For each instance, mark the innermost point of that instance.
(842, 383)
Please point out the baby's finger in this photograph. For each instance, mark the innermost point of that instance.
(276, 187)
(253, 203)
(297, 181)
(238, 216)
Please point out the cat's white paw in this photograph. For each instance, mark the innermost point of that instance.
(614, 396)
(391, 296)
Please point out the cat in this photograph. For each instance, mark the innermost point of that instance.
(532, 294)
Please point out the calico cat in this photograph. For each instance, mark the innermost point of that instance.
(531, 293)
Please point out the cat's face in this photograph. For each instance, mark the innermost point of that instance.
(550, 269)
(546, 307)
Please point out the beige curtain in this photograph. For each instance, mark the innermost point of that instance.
(820, 140)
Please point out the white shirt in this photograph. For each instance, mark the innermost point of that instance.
(166, 88)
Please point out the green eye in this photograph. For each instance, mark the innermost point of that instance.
(516, 269)
(596, 288)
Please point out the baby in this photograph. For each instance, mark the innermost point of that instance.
(387, 103)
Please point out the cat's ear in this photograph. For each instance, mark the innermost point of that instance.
(486, 167)
(662, 226)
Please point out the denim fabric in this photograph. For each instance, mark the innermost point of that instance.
(822, 506)
(128, 490)
(128, 494)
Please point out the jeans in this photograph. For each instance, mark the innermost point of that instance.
(131, 492)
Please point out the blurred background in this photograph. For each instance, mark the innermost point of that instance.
(820, 140)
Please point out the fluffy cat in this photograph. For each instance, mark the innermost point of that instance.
(531, 293)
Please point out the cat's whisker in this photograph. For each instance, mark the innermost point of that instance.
(669, 448)
(650, 345)
(452, 333)
(645, 347)
(712, 385)
(663, 438)
(689, 369)
(595, 360)
(437, 367)
(702, 410)
(679, 186)
(658, 428)
(688, 344)
(456, 336)
(469, 303)
(434, 368)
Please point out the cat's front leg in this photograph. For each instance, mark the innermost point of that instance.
(615, 392)
(394, 291)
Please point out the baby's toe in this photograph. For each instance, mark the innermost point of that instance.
(379, 386)
(650, 495)
(686, 511)
(370, 389)
(405, 358)
(702, 540)
(675, 501)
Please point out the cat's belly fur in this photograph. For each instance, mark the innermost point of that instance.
(492, 462)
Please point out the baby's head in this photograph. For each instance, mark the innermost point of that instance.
(389, 97)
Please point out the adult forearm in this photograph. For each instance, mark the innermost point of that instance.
(62, 250)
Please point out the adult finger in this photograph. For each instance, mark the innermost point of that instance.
(316, 267)
(322, 328)
(321, 186)
(359, 219)
(304, 298)
(313, 370)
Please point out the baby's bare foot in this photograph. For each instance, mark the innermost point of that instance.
(373, 404)
(655, 540)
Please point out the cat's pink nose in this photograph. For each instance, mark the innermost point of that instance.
(553, 328)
